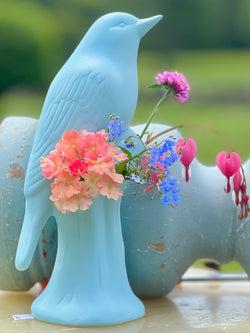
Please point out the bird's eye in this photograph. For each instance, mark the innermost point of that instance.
(122, 25)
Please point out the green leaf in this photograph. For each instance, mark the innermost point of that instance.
(121, 168)
(126, 151)
(155, 86)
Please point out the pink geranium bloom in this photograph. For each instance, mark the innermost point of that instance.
(93, 145)
(66, 185)
(108, 187)
(116, 152)
(79, 201)
(188, 150)
(228, 164)
(53, 165)
(116, 177)
(177, 82)
(78, 167)
(89, 155)
(69, 145)
(90, 180)
(101, 165)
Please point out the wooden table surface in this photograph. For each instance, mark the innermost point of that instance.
(207, 307)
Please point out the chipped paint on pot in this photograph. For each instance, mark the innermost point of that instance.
(16, 139)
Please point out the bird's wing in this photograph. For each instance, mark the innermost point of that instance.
(71, 103)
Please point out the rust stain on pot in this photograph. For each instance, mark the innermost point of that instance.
(9, 187)
(1, 145)
(36, 123)
(2, 196)
(18, 221)
(15, 129)
(25, 133)
(45, 241)
(7, 220)
(44, 254)
(159, 247)
(43, 231)
(161, 237)
(20, 157)
(162, 266)
(15, 240)
(16, 171)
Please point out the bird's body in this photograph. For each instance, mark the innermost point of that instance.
(99, 79)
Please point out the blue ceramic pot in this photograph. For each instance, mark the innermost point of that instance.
(162, 243)
(16, 139)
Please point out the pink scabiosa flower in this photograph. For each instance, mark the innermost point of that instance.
(187, 149)
(228, 164)
(176, 82)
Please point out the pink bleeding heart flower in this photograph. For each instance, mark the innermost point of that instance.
(228, 164)
(237, 183)
(244, 206)
(188, 150)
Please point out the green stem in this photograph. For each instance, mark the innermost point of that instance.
(166, 93)
(190, 125)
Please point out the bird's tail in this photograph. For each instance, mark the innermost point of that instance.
(37, 212)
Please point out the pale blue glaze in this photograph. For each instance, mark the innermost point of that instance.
(89, 284)
(99, 79)
(16, 139)
(162, 243)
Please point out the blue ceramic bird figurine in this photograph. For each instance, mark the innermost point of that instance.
(99, 79)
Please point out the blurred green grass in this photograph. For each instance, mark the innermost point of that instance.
(219, 98)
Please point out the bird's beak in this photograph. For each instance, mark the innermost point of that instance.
(144, 25)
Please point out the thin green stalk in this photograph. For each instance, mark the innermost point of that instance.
(166, 93)
(190, 125)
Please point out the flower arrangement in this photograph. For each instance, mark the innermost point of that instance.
(85, 165)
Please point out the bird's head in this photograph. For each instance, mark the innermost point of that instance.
(118, 33)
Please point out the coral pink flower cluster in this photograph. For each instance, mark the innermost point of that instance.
(83, 165)
(230, 166)
(177, 82)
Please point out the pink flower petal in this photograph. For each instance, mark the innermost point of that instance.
(228, 164)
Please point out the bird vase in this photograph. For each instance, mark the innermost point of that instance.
(89, 284)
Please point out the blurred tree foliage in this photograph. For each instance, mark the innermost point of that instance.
(30, 44)
(37, 36)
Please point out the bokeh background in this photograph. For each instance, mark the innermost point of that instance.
(208, 41)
